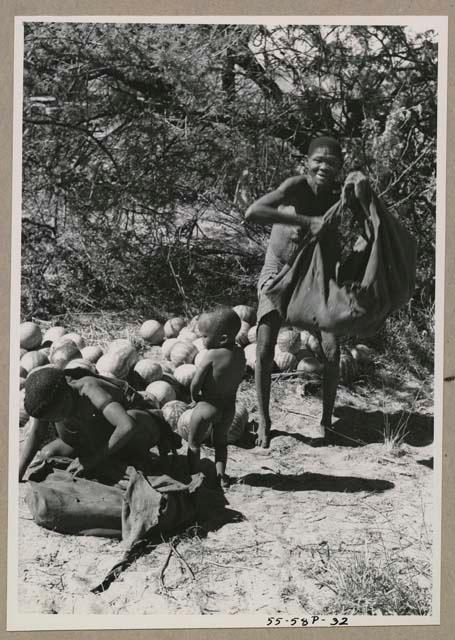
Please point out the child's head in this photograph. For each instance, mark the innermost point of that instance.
(324, 160)
(218, 328)
(47, 394)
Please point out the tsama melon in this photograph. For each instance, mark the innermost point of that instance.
(77, 339)
(285, 361)
(154, 353)
(172, 411)
(199, 344)
(148, 370)
(310, 365)
(167, 346)
(288, 340)
(238, 425)
(186, 335)
(162, 391)
(250, 356)
(150, 398)
(33, 359)
(242, 336)
(125, 350)
(30, 336)
(173, 327)
(193, 325)
(120, 344)
(168, 367)
(81, 363)
(118, 363)
(246, 313)
(184, 374)
(22, 352)
(63, 354)
(362, 354)
(252, 334)
(348, 368)
(59, 342)
(183, 353)
(183, 424)
(304, 337)
(92, 353)
(152, 332)
(200, 356)
(313, 344)
(53, 334)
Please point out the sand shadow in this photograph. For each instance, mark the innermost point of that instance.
(355, 427)
(316, 482)
(427, 462)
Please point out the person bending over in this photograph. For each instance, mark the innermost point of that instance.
(95, 420)
(214, 387)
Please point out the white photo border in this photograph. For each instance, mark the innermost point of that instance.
(17, 621)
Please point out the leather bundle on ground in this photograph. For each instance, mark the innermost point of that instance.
(138, 508)
(356, 296)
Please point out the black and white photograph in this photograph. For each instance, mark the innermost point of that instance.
(226, 322)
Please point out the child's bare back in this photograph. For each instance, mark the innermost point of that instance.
(214, 387)
(225, 370)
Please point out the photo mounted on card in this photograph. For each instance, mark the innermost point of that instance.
(226, 322)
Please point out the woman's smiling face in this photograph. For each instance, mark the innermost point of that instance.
(323, 166)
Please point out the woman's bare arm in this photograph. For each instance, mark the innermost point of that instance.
(276, 208)
(35, 437)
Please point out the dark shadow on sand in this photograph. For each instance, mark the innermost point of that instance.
(427, 462)
(315, 482)
(356, 428)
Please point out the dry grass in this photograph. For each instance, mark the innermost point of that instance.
(376, 583)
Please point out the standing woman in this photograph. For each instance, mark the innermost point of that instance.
(296, 210)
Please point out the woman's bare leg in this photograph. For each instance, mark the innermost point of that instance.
(266, 335)
(330, 377)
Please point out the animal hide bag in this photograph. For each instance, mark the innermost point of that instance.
(355, 298)
(85, 507)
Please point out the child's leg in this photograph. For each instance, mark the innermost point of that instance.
(202, 417)
(220, 430)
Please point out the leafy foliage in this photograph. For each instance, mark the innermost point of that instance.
(144, 143)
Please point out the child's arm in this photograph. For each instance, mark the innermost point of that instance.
(266, 209)
(198, 381)
(35, 437)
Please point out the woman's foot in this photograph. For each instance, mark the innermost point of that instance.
(263, 436)
(315, 433)
(224, 481)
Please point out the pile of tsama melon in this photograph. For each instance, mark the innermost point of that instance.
(161, 360)
(299, 350)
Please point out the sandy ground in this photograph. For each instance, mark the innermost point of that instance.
(290, 509)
